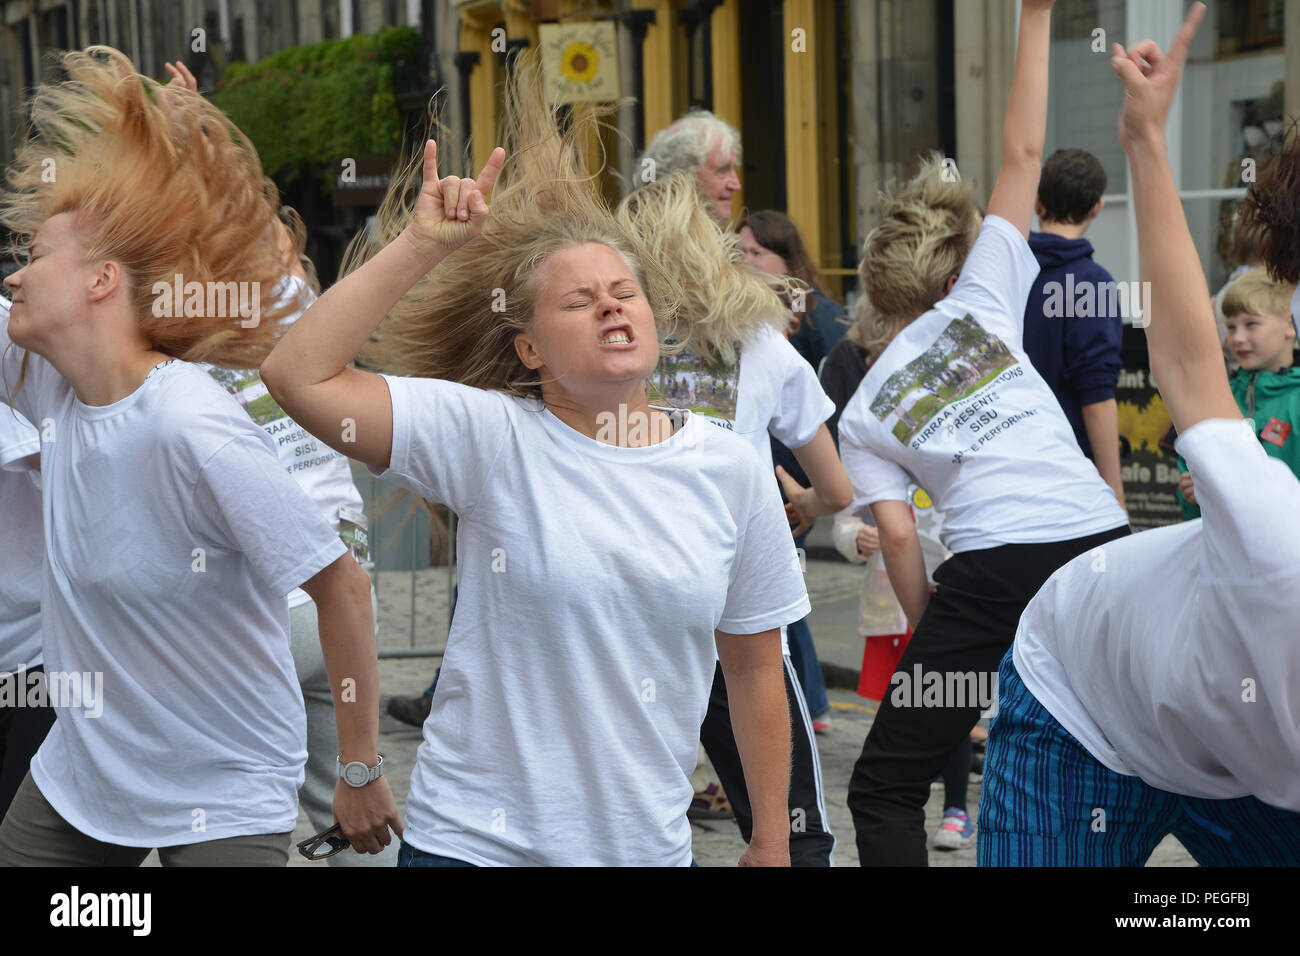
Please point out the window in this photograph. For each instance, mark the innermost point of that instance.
(1232, 123)
(1249, 25)
(1084, 92)
(329, 19)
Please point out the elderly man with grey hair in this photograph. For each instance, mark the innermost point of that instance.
(707, 146)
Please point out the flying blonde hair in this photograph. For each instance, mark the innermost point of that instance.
(163, 183)
(460, 320)
(928, 227)
(720, 302)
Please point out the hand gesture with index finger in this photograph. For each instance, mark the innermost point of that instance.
(1151, 79)
(450, 212)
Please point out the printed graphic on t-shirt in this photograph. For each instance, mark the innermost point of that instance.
(246, 385)
(915, 402)
(247, 388)
(353, 530)
(686, 381)
(1275, 432)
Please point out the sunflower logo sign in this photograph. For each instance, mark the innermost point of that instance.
(580, 61)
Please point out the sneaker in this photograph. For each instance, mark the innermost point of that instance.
(410, 710)
(822, 724)
(956, 832)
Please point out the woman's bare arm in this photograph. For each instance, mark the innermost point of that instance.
(1026, 121)
(1182, 338)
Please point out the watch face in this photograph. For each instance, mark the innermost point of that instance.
(356, 774)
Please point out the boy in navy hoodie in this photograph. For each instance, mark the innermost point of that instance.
(1072, 329)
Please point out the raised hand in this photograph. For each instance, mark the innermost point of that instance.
(450, 212)
(181, 76)
(1151, 79)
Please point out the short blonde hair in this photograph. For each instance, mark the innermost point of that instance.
(1254, 293)
(928, 228)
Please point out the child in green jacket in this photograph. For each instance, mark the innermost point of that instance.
(1262, 338)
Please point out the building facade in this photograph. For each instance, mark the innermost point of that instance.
(833, 98)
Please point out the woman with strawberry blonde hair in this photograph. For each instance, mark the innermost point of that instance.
(172, 534)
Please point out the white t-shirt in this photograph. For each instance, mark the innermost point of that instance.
(770, 391)
(954, 405)
(172, 535)
(774, 393)
(1174, 654)
(321, 471)
(22, 550)
(581, 656)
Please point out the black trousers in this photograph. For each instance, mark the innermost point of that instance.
(811, 841)
(967, 627)
(22, 730)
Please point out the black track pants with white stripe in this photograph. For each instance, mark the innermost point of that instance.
(811, 842)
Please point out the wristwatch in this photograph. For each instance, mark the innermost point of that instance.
(357, 774)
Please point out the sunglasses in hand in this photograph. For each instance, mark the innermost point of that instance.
(322, 846)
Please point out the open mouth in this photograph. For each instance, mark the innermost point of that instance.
(619, 335)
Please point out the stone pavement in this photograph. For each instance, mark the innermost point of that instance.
(833, 587)
(718, 843)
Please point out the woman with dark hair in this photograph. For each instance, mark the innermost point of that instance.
(771, 242)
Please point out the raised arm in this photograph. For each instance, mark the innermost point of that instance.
(1182, 339)
(308, 373)
(1026, 122)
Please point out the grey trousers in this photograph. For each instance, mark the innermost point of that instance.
(317, 793)
(33, 834)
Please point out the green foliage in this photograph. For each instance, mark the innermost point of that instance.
(312, 105)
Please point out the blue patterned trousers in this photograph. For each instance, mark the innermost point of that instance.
(1047, 802)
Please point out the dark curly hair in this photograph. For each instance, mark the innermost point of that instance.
(1272, 209)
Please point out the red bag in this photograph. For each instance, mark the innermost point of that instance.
(879, 661)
